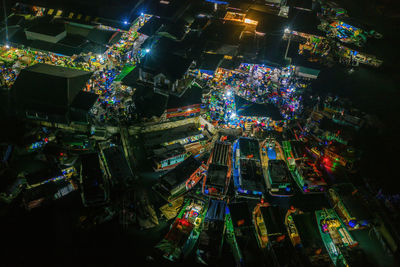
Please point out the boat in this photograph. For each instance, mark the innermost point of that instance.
(308, 177)
(271, 234)
(337, 239)
(247, 168)
(305, 238)
(276, 173)
(231, 239)
(184, 232)
(291, 226)
(94, 183)
(278, 179)
(350, 205)
(218, 177)
(242, 236)
(212, 237)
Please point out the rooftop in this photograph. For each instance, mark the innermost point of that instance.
(180, 173)
(52, 29)
(216, 175)
(278, 171)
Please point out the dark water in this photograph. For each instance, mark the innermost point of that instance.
(374, 91)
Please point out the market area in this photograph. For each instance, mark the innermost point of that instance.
(188, 133)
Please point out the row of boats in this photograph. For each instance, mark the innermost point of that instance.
(266, 234)
(262, 235)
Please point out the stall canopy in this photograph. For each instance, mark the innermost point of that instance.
(249, 109)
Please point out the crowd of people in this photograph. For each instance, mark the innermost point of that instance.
(258, 84)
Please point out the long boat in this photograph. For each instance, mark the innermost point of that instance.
(305, 238)
(308, 177)
(212, 237)
(337, 239)
(247, 168)
(217, 180)
(184, 232)
(276, 173)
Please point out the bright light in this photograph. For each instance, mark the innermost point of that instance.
(189, 109)
(141, 14)
(7, 46)
(147, 50)
(125, 22)
(287, 30)
(228, 93)
(233, 115)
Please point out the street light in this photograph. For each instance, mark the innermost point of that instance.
(147, 50)
(125, 22)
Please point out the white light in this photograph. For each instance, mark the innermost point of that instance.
(229, 93)
(287, 30)
(7, 46)
(125, 22)
(147, 50)
(233, 115)
(141, 14)
(189, 109)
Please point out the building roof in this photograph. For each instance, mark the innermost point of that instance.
(51, 29)
(191, 96)
(42, 87)
(171, 9)
(225, 33)
(147, 102)
(152, 26)
(303, 21)
(174, 30)
(249, 109)
(270, 23)
(300, 4)
(156, 63)
(119, 11)
(104, 37)
(210, 62)
(84, 100)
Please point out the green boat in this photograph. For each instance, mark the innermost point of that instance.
(337, 239)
